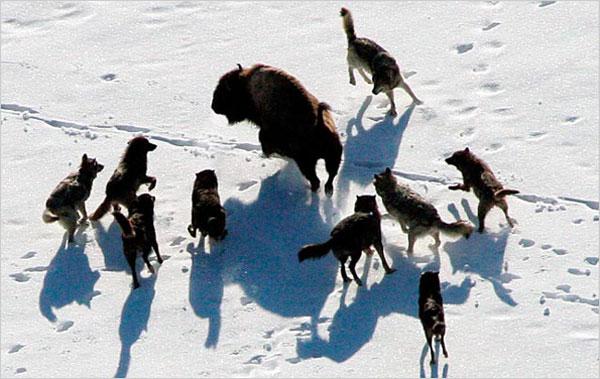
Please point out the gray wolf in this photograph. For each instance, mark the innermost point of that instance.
(351, 236)
(128, 177)
(366, 55)
(138, 233)
(292, 122)
(415, 215)
(207, 213)
(431, 310)
(477, 174)
(70, 195)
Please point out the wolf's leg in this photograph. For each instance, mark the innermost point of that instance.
(364, 76)
(352, 266)
(429, 337)
(386, 267)
(345, 277)
(390, 95)
(437, 243)
(307, 167)
(461, 186)
(155, 248)
(152, 181)
(504, 206)
(351, 74)
(482, 210)
(444, 347)
(131, 255)
(412, 237)
(145, 255)
(83, 211)
(403, 226)
(414, 97)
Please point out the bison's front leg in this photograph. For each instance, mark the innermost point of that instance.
(308, 167)
(267, 142)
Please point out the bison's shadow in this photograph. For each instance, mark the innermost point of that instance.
(368, 151)
(261, 250)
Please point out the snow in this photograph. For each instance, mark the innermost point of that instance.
(517, 82)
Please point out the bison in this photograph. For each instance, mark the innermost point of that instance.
(291, 121)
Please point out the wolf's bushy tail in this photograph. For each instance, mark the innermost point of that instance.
(348, 24)
(505, 192)
(49, 217)
(101, 211)
(314, 251)
(457, 228)
(124, 224)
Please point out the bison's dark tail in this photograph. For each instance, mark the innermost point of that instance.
(101, 211)
(315, 251)
(348, 24)
(48, 217)
(124, 224)
(505, 192)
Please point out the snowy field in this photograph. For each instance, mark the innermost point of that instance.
(517, 82)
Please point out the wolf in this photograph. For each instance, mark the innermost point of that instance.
(208, 214)
(292, 122)
(366, 55)
(431, 310)
(415, 215)
(70, 195)
(138, 233)
(477, 174)
(128, 177)
(351, 236)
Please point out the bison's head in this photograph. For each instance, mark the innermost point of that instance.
(231, 96)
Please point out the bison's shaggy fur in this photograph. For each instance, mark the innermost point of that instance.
(292, 122)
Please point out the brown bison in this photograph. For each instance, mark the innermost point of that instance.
(292, 122)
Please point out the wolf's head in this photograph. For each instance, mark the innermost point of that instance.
(384, 182)
(90, 166)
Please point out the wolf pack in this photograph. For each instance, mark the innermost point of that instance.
(292, 123)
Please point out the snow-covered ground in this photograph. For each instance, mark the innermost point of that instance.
(517, 82)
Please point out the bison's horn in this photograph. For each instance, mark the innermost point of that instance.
(239, 66)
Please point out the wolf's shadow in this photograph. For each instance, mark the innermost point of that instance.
(353, 326)
(368, 151)
(134, 320)
(68, 279)
(206, 288)
(265, 237)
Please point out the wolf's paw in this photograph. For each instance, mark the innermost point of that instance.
(353, 81)
(358, 282)
(392, 113)
(417, 102)
(152, 184)
(329, 189)
(391, 271)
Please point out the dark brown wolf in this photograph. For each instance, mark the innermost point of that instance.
(70, 195)
(477, 174)
(431, 310)
(128, 177)
(366, 55)
(292, 122)
(207, 213)
(416, 215)
(138, 233)
(350, 237)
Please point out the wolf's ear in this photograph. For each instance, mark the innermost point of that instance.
(84, 158)
(388, 171)
(467, 149)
